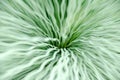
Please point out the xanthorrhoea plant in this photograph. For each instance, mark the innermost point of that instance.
(59, 40)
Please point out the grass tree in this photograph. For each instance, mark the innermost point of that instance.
(59, 39)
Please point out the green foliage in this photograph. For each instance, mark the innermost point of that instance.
(59, 40)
